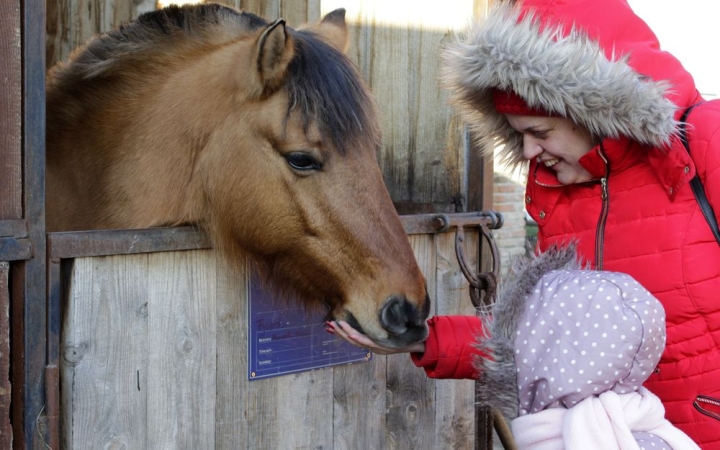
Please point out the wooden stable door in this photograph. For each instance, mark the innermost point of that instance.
(22, 229)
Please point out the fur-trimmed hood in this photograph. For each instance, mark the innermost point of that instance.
(498, 373)
(593, 61)
(558, 335)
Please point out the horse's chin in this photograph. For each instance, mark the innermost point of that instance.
(411, 337)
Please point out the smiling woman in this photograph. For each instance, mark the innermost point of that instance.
(557, 143)
(581, 95)
(599, 79)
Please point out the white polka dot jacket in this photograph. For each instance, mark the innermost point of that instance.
(568, 351)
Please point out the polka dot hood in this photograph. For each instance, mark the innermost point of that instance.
(560, 334)
(583, 333)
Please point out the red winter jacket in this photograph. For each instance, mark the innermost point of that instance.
(638, 215)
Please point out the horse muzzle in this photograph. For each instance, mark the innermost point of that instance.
(403, 321)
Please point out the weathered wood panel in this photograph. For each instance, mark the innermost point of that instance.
(181, 371)
(105, 347)
(295, 12)
(72, 22)
(455, 399)
(155, 356)
(396, 45)
(6, 435)
(231, 429)
(10, 111)
(292, 411)
(360, 404)
(27, 200)
(410, 393)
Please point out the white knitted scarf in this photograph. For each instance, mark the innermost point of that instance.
(603, 422)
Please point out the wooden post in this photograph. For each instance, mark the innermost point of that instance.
(480, 180)
(10, 112)
(5, 388)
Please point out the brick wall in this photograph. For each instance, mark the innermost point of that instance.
(508, 199)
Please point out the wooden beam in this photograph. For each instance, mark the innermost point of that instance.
(6, 436)
(29, 317)
(12, 249)
(10, 111)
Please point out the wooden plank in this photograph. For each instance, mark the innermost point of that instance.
(118, 242)
(182, 350)
(72, 22)
(12, 249)
(13, 228)
(268, 9)
(291, 411)
(480, 197)
(298, 12)
(410, 405)
(104, 354)
(295, 12)
(115, 242)
(396, 45)
(10, 111)
(410, 393)
(6, 435)
(29, 299)
(231, 427)
(455, 399)
(359, 405)
(69, 24)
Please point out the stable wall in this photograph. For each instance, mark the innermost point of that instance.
(153, 355)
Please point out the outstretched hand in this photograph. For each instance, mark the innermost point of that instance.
(349, 334)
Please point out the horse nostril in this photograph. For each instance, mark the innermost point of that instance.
(398, 316)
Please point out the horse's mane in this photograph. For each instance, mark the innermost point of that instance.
(322, 82)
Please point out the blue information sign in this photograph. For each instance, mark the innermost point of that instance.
(285, 339)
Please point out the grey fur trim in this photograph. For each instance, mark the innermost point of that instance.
(498, 377)
(567, 75)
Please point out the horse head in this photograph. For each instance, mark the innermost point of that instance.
(265, 136)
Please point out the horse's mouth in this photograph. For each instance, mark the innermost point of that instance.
(353, 322)
(410, 336)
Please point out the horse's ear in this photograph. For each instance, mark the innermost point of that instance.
(275, 49)
(333, 29)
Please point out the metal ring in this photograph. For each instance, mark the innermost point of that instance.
(481, 282)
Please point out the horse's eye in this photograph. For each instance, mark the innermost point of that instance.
(302, 161)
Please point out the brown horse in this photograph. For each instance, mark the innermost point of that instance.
(263, 135)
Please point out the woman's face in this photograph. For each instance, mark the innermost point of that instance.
(556, 142)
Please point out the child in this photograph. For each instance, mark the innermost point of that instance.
(566, 353)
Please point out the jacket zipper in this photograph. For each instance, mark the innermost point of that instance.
(707, 400)
(600, 232)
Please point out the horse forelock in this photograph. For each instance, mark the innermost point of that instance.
(324, 86)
